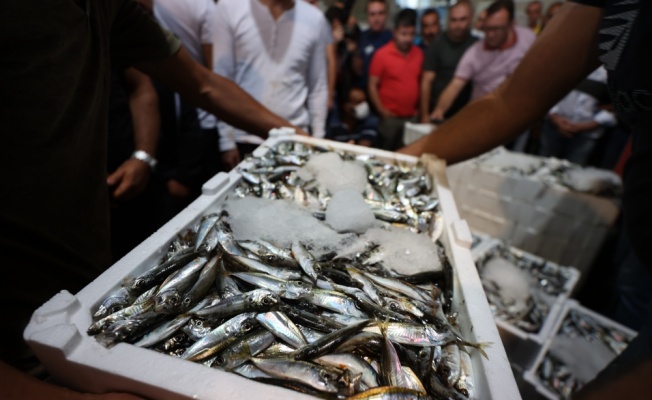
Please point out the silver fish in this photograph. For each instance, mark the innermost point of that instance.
(282, 327)
(220, 337)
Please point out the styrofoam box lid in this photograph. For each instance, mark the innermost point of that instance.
(57, 331)
(530, 375)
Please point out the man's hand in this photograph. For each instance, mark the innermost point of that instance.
(178, 191)
(129, 180)
(231, 158)
(385, 113)
(437, 115)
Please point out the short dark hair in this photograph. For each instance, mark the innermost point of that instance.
(335, 13)
(405, 17)
(428, 11)
(375, 1)
(501, 5)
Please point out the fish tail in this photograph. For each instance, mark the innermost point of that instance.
(480, 346)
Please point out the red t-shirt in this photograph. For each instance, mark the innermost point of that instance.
(398, 76)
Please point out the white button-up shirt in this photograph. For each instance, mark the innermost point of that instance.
(191, 21)
(580, 107)
(280, 62)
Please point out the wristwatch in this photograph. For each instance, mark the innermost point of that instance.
(145, 157)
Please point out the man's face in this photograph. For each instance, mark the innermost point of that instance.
(376, 16)
(459, 22)
(429, 27)
(404, 37)
(496, 29)
(533, 12)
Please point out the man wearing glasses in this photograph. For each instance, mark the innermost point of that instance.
(489, 62)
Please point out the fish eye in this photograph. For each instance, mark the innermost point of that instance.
(393, 307)
(423, 354)
(267, 301)
(219, 360)
(299, 283)
(186, 301)
(247, 326)
(199, 323)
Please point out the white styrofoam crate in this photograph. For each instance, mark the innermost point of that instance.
(57, 330)
(530, 375)
(545, 219)
(413, 131)
(522, 347)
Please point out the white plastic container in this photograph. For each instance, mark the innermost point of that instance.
(531, 376)
(57, 331)
(522, 347)
(413, 132)
(549, 220)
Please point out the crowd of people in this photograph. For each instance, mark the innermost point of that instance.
(324, 74)
(112, 124)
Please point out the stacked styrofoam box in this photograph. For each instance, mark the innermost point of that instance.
(57, 335)
(413, 132)
(531, 376)
(521, 346)
(551, 221)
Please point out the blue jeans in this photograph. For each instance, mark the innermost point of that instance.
(553, 144)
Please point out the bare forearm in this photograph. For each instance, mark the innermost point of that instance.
(143, 103)
(213, 93)
(426, 88)
(447, 97)
(374, 96)
(331, 56)
(538, 83)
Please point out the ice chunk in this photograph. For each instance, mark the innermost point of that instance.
(336, 174)
(348, 212)
(403, 251)
(514, 283)
(280, 221)
(583, 358)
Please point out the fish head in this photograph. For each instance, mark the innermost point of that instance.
(167, 302)
(297, 289)
(263, 298)
(247, 324)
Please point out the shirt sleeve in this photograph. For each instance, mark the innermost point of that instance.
(136, 37)
(224, 65)
(318, 86)
(206, 22)
(465, 68)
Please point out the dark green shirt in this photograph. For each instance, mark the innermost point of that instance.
(442, 57)
(55, 61)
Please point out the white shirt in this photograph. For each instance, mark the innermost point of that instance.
(191, 21)
(580, 107)
(281, 63)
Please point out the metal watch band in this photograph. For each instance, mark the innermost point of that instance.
(145, 157)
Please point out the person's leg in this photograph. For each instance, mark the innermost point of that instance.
(551, 143)
(633, 287)
(579, 149)
(385, 133)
